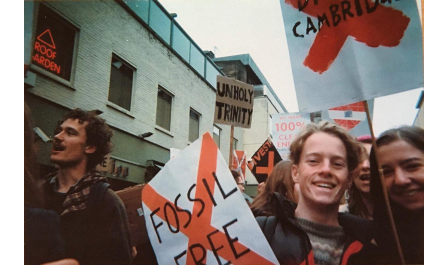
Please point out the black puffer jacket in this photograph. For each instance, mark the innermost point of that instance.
(291, 245)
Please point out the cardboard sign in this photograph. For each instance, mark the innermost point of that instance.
(263, 161)
(173, 152)
(239, 163)
(131, 197)
(343, 52)
(234, 102)
(285, 127)
(195, 214)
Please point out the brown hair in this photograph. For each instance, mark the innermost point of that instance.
(353, 147)
(98, 134)
(280, 181)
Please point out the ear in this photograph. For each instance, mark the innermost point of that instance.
(90, 149)
(295, 173)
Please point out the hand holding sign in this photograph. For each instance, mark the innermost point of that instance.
(196, 215)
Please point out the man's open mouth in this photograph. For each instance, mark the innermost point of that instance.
(58, 147)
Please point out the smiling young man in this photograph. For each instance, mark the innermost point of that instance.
(94, 228)
(324, 157)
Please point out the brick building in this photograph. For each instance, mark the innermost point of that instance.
(133, 64)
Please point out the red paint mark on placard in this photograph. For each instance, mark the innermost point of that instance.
(382, 26)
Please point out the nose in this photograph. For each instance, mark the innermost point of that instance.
(366, 165)
(325, 168)
(401, 178)
(58, 136)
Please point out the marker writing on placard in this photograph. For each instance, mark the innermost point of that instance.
(336, 12)
(171, 212)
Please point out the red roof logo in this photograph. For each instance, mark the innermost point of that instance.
(47, 39)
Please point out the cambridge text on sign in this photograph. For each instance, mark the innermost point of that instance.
(234, 102)
(346, 51)
(195, 214)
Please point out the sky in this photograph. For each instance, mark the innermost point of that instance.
(233, 27)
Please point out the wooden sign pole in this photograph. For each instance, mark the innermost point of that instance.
(386, 198)
(230, 162)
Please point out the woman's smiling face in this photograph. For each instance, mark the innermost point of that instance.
(403, 169)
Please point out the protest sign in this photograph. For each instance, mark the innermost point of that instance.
(348, 116)
(173, 152)
(234, 102)
(263, 161)
(239, 163)
(348, 51)
(195, 214)
(285, 127)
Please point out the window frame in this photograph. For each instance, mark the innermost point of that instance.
(199, 120)
(134, 74)
(160, 87)
(219, 135)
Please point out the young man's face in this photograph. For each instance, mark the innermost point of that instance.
(322, 172)
(361, 177)
(69, 144)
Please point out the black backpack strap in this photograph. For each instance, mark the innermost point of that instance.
(267, 225)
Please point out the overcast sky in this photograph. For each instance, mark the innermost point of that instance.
(233, 27)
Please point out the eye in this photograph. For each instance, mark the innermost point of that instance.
(57, 131)
(339, 164)
(412, 166)
(312, 161)
(387, 171)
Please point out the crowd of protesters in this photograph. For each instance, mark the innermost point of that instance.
(72, 217)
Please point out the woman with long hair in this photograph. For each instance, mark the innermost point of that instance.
(401, 155)
(359, 202)
(280, 181)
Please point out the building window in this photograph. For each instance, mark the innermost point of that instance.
(121, 83)
(163, 109)
(235, 141)
(194, 124)
(54, 44)
(217, 135)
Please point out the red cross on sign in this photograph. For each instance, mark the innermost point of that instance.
(195, 213)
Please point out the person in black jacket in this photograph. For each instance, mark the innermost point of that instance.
(94, 223)
(401, 155)
(324, 157)
(42, 240)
